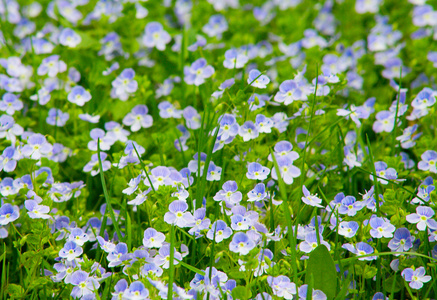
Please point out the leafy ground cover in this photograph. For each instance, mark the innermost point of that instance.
(220, 149)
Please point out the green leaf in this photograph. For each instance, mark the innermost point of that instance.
(322, 268)
(15, 291)
(241, 292)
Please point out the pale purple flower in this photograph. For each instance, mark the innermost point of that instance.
(384, 172)
(385, 121)
(428, 162)
(198, 72)
(37, 146)
(348, 229)
(36, 211)
(79, 96)
(8, 213)
(416, 278)
(423, 218)
(10, 103)
(69, 37)
(70, 251)
(309, 199)
(381, 228)
(310, 243)
(241, 243)
(57, 118)
(360, 249)
(350, 206)
(282, 287)
(216, 26)
(156, 36)
(136, 291)
(256, 79)
(116, 256)
(248, 131)
(52, 66)
(178, 215)
(234, 59)
(138, 118)
(93, 165)
(192, 117)
(9, 158)
(256, 171)
(220, 230)
(402, 241)
(83, 285)
(163, 257)
(287, 170)
(124, 85)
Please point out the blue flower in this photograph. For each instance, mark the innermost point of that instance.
(69, 37)
(156, 36)
(93, 165)
(256, 79)
(37, 211)
(428, 162)
(309, 199)
(234, 59)
(52, 66)
(177, 214)
(116, 256)
(379, 296)
(241, 243)
(220, 230)
(83, 284)
(282, 287)
(316, 294)
(287, 170)
(384, 172)
(311, 242)
(79, 95)
(163, 257)
(37, 147)
(216, 26)
(57, 117)
(381, 228)
(416, 278)
(423, 218)
(350, 206)
(229, 193)
(256, 171)
(8, 160)
(138, 118)
(124, 85)
(192, 117)
(198, 72)
(70, 251)
(10, 103)
(8, 213)
(348, 229)
(136, 291)
(248, 131)
(258, 193)
(402, 241)
(359, 249)
(167, 110)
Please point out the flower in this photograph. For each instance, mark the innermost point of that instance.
(9, 158)
(198, 72)
(289, 91)
(258, 193)
(287, 170)
(248, 131)
(69, 38)
(384, 172)
(309, 199)
(156, 36)
(37, 147)
(83, 284)
(256, 171)
(124, 85)
(177, 214)
(256, 79)
(241, 243)
(229, 193)
(36, 211)
(93, 165)
(163, 257)
(282, 287)
(359, 249)
(136, 291)
(216, 26)
(423, 218)
(219, 230)
(52, 66)
(10, 103)
(70, 251)
(138, 118)
(429, 161)
(402, 241)
(234, 59)
(348, 229)
(381, 228)
(350, 206)
(79, 95)
(57, 117)
(116, 256)
(192, 117)
(416, 278)
(311, 242)
(8, 213)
